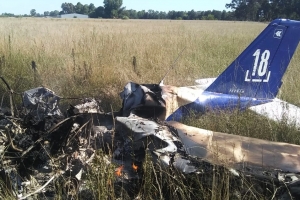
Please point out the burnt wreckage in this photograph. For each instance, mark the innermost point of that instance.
(40, 145)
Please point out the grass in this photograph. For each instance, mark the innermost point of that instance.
(94, 58)
(247, 124)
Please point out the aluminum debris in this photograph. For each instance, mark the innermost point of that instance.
(43, 146)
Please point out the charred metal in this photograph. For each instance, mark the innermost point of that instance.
(40, 147)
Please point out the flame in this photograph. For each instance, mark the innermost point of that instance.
(119, 170)
(134, 167)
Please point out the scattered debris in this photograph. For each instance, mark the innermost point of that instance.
(42, 146)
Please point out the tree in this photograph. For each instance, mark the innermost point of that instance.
(210, 17)
(81, 9)
(192, 15)
(132, 14)
(32, 12)
(112, 8)
(141, 14)
(67, 8)
(243, 9)
(97, 13)
(78, 8)
(85, 9)
(162, 15)
(217, 14)
(172, 14)
(54, 13)
(125, 14)
(91, 8)
(265, 11)
(8, 15)
(224, 15)
(46, 13)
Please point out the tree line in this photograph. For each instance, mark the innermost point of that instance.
(244, 10)
(114, 9)
(264, 10)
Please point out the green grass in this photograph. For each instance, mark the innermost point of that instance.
(94, 58)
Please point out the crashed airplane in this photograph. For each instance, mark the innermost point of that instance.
(251, 81)
(40, 146)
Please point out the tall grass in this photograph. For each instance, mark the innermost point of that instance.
(96, 57)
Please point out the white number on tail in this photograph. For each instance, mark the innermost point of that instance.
(259, 68)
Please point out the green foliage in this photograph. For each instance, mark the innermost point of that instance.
(7, 15)
(32, 12)
(177, 15)
(54, 13)
(67, 8)
(264, 10)
(91, 8)
(97, 13)
(112, 8)
(210, 17)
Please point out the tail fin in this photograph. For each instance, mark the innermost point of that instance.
(258, 70)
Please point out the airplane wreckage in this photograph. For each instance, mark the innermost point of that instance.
(40, 145)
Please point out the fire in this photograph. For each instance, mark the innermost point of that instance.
(134, 167)
(119, 170)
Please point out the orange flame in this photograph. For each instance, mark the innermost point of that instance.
(134, 167)
(119, 170)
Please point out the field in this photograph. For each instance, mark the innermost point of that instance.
(95, 58)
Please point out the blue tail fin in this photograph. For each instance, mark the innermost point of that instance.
(257, 72)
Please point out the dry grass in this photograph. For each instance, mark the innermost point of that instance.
(94, 57)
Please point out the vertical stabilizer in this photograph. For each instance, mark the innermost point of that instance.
(258, 70)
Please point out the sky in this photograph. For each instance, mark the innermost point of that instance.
(24, 6)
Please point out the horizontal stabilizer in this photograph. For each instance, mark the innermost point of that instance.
(205, 81)
(279, 111)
